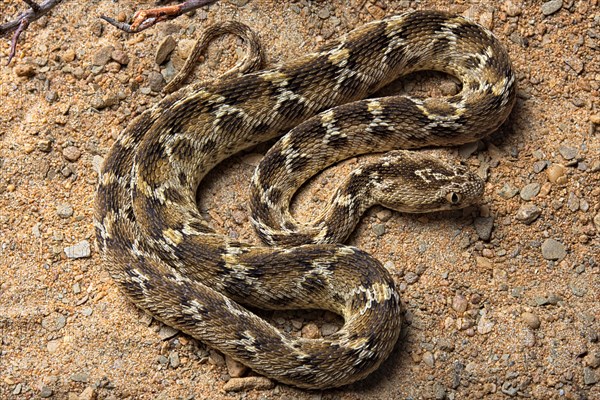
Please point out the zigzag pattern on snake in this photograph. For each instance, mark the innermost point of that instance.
(165, 257)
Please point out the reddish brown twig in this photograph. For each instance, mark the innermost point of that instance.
(144, 19)
(23, 20)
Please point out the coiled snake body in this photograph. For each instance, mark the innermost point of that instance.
(162, 254)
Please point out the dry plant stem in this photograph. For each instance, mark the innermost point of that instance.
(144, 19)
(23, 20)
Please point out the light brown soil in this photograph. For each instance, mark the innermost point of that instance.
(472, 306)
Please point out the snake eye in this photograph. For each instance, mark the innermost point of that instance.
(453, 198)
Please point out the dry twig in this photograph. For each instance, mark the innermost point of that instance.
(19, 24)
(144, 19)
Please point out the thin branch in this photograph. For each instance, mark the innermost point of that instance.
(13, 43)
(144, 19)
(23, 20)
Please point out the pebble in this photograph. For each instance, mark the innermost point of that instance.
(589, 376)
(411, 277)
(166, 332)
(81, 377)
(156, 81)
(79, 250)
(100, 101)
(174, 360)
(120, 56)
(165, 48)
(379, 229)
(595, 119)
(553, 250)
(484, 326)
(568, 153)
(323, 13)
(529, 191)
(71, 153)
(508, 191)
(24, 70)
(384, 215)
(64, 210)
(528, 213)
(248, 383)
(483, 227)
(556, 173)
(467, 149)
(329, 329)
(89, 393)
(428, 359)
(216, 358)
(310, 331)
(459, 303)
(552, 6)
(597, 222)
(539, 166)
(46, 392)
(592, 360)
(531, 320)
(54, 322)
(235, 368)
(572, 202)
(102, 56)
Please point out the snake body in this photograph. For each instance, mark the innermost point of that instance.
(164, 256)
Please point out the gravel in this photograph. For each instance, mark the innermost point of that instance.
(550, 7)
(528, 213)
(530, 190)
(79, 250)
(553, 250)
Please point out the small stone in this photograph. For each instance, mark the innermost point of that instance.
(235, 368)
(597, 222)
(589, 376)
(102, 56)
(89, 393)
(379, 229)
(528, 213)
(71, 153)
(556, 173)
(572, 202)
(595, 119)
(484, 326)
(552, 6)
(539, 166)
(310, 331)
(166, 332)
(529, 191)
(156, 81)
(460, 303)
(568, 153)
(81, 377)
(120, 56)
(248, 383)
(79, 250)
(165, 48)
(46, 392)
(329, 329)
(54, 322)
(384, 215)
(483, 227)
(508, 191)
(323, 13)
(553, 250)
(68, 55)
(64, 211)
(216, 358)
(467, 149)
(52, 346)
(531, 320)
(592, 360)
(410, 277)
(44, 146)
(174, 360)
(24, 70)
(428, 359)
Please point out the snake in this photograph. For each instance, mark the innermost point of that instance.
(166, 258)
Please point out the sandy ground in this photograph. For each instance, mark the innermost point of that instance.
(514, 313)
